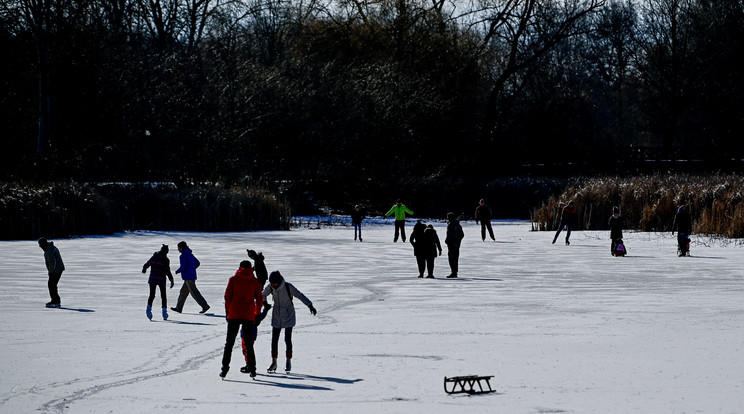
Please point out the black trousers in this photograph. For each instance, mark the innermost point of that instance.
(425, 263)
(400, 227)
(163, 296)
(52, 284)
(453, 254)
(233, 327)
(275, 333)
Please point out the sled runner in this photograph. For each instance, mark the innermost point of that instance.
(467, 384)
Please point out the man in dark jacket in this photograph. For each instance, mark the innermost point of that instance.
(55, 267)
(683, 225)
(357, 215)
(483, 214)
(569, 217)
(453, 241)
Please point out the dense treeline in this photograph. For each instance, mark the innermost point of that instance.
(649, 203)
(368, 97)
(74, 209)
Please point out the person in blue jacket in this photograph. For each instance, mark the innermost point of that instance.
(189, 263)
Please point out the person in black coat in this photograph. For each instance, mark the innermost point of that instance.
(429, 247)
(683, 225)
(417, 242)
(616, 229)
(357, 215)
(483, 214)
(453, 241)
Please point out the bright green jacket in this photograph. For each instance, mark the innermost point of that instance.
(399, 211)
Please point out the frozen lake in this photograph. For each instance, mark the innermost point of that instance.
(561, 328)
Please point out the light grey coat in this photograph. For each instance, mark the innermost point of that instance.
(283, 311)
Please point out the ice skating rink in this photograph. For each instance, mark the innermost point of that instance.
(563, 329)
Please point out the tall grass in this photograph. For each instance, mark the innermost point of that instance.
(649, 203)
(74, 209)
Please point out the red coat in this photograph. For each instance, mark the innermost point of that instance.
(243, 296)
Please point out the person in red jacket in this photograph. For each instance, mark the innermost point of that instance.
(243, 301)
(569, 218)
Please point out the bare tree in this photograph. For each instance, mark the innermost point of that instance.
(516, 33)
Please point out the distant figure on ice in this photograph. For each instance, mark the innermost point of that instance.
(400, 212)
(283, 315)
(55, 267)
(189, 263)
(617, 248)
(243, 302)
(683, 225)
(569, 217)
(483, 213)
(453, 241)
(159, 265)
(357, 215)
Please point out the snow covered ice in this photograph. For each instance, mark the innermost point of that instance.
(561, 328)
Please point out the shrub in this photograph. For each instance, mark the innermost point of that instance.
(74, 209)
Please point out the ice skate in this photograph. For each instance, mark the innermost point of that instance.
(165, 314)
(288, 367)
(272, 367)
(148, 312)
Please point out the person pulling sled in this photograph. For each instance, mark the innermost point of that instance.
(617, 247)
(683, 225)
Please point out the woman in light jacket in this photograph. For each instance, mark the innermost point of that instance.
(283, 315)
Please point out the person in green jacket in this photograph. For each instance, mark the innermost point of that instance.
(400, 212)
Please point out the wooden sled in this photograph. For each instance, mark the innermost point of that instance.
(467, 384)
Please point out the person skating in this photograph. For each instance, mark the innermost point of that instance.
(357, 215)
(483, 213)
(189, 264)
(616, 229)
(430, 247)
(159, 265)
(417, 242)
(259, 266)
(453, 241)
(283, 315)
(243, 301)
(259, 269)
(55, 267)
(400, 211)
(569, 218)
(683, 225)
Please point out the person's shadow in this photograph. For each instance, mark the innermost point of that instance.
(76, 309)
(262, 379)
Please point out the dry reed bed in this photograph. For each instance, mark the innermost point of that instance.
(649, 203)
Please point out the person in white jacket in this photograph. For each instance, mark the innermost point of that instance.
(283, 315)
